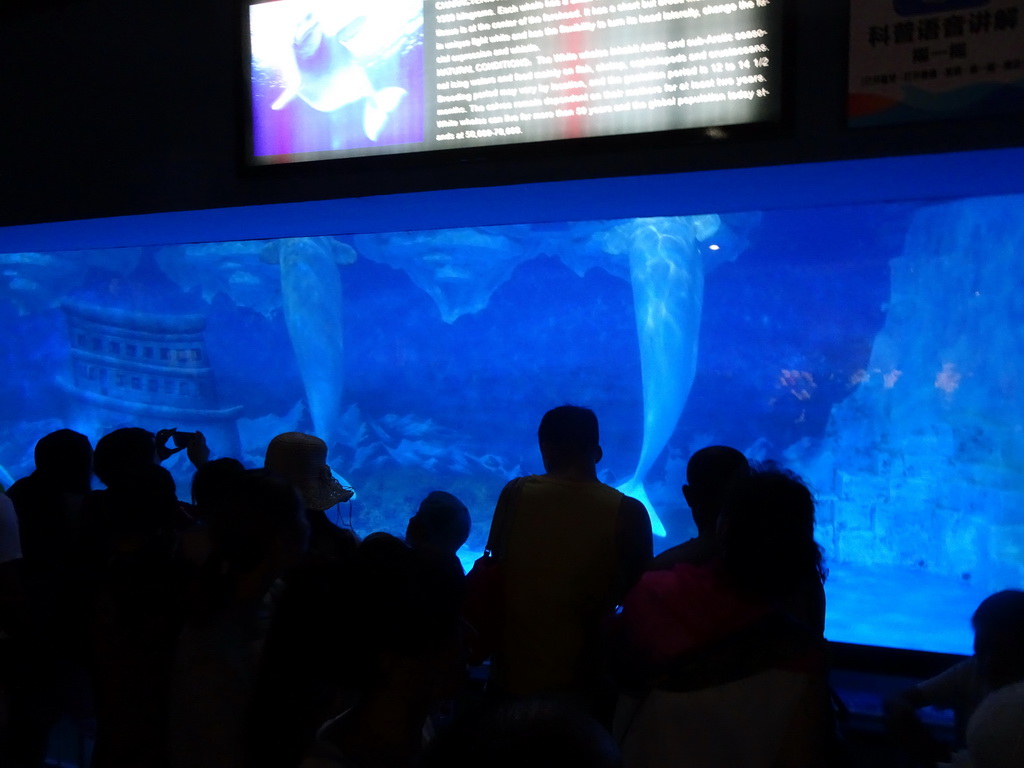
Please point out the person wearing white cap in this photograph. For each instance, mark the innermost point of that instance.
(301, 459)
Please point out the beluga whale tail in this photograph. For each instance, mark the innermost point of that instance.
(635, 488)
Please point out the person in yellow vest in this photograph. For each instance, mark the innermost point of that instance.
(570, 547)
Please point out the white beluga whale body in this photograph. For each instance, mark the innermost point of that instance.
(667, 274)
(332, 55)
(311, 297)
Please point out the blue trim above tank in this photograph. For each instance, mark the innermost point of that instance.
(836, 183)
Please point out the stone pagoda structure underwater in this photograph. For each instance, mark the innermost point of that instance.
(146, 370)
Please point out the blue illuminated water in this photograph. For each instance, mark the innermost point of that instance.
(875, 349)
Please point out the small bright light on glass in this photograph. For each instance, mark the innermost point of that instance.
(712, 247)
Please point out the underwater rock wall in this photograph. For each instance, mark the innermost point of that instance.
(922, 465)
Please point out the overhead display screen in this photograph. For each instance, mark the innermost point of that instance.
(341, 79)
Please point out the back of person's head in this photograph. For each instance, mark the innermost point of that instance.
(710, 473)
(569, 434)
(121, 453)
(302, 460)
(142, 504)
(531, 733)
(442, 523)
(64, 459)
(263, 518)
(213, 483)
(999, 637)
(404, 607)
(766, 533)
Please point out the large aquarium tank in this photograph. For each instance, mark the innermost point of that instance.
(875, 349)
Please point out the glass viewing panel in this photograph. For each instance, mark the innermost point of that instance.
(874, 349)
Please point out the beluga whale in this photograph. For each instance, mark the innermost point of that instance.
(332, 73)
(666, 268)
(311, 300)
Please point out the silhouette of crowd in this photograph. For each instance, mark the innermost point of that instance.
(247, 630)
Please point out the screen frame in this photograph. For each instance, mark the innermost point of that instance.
(513, 163)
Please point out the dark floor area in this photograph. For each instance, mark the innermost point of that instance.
(868, 746)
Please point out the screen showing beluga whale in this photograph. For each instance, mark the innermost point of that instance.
(875, 349)
(330, 79)
(336, 77)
